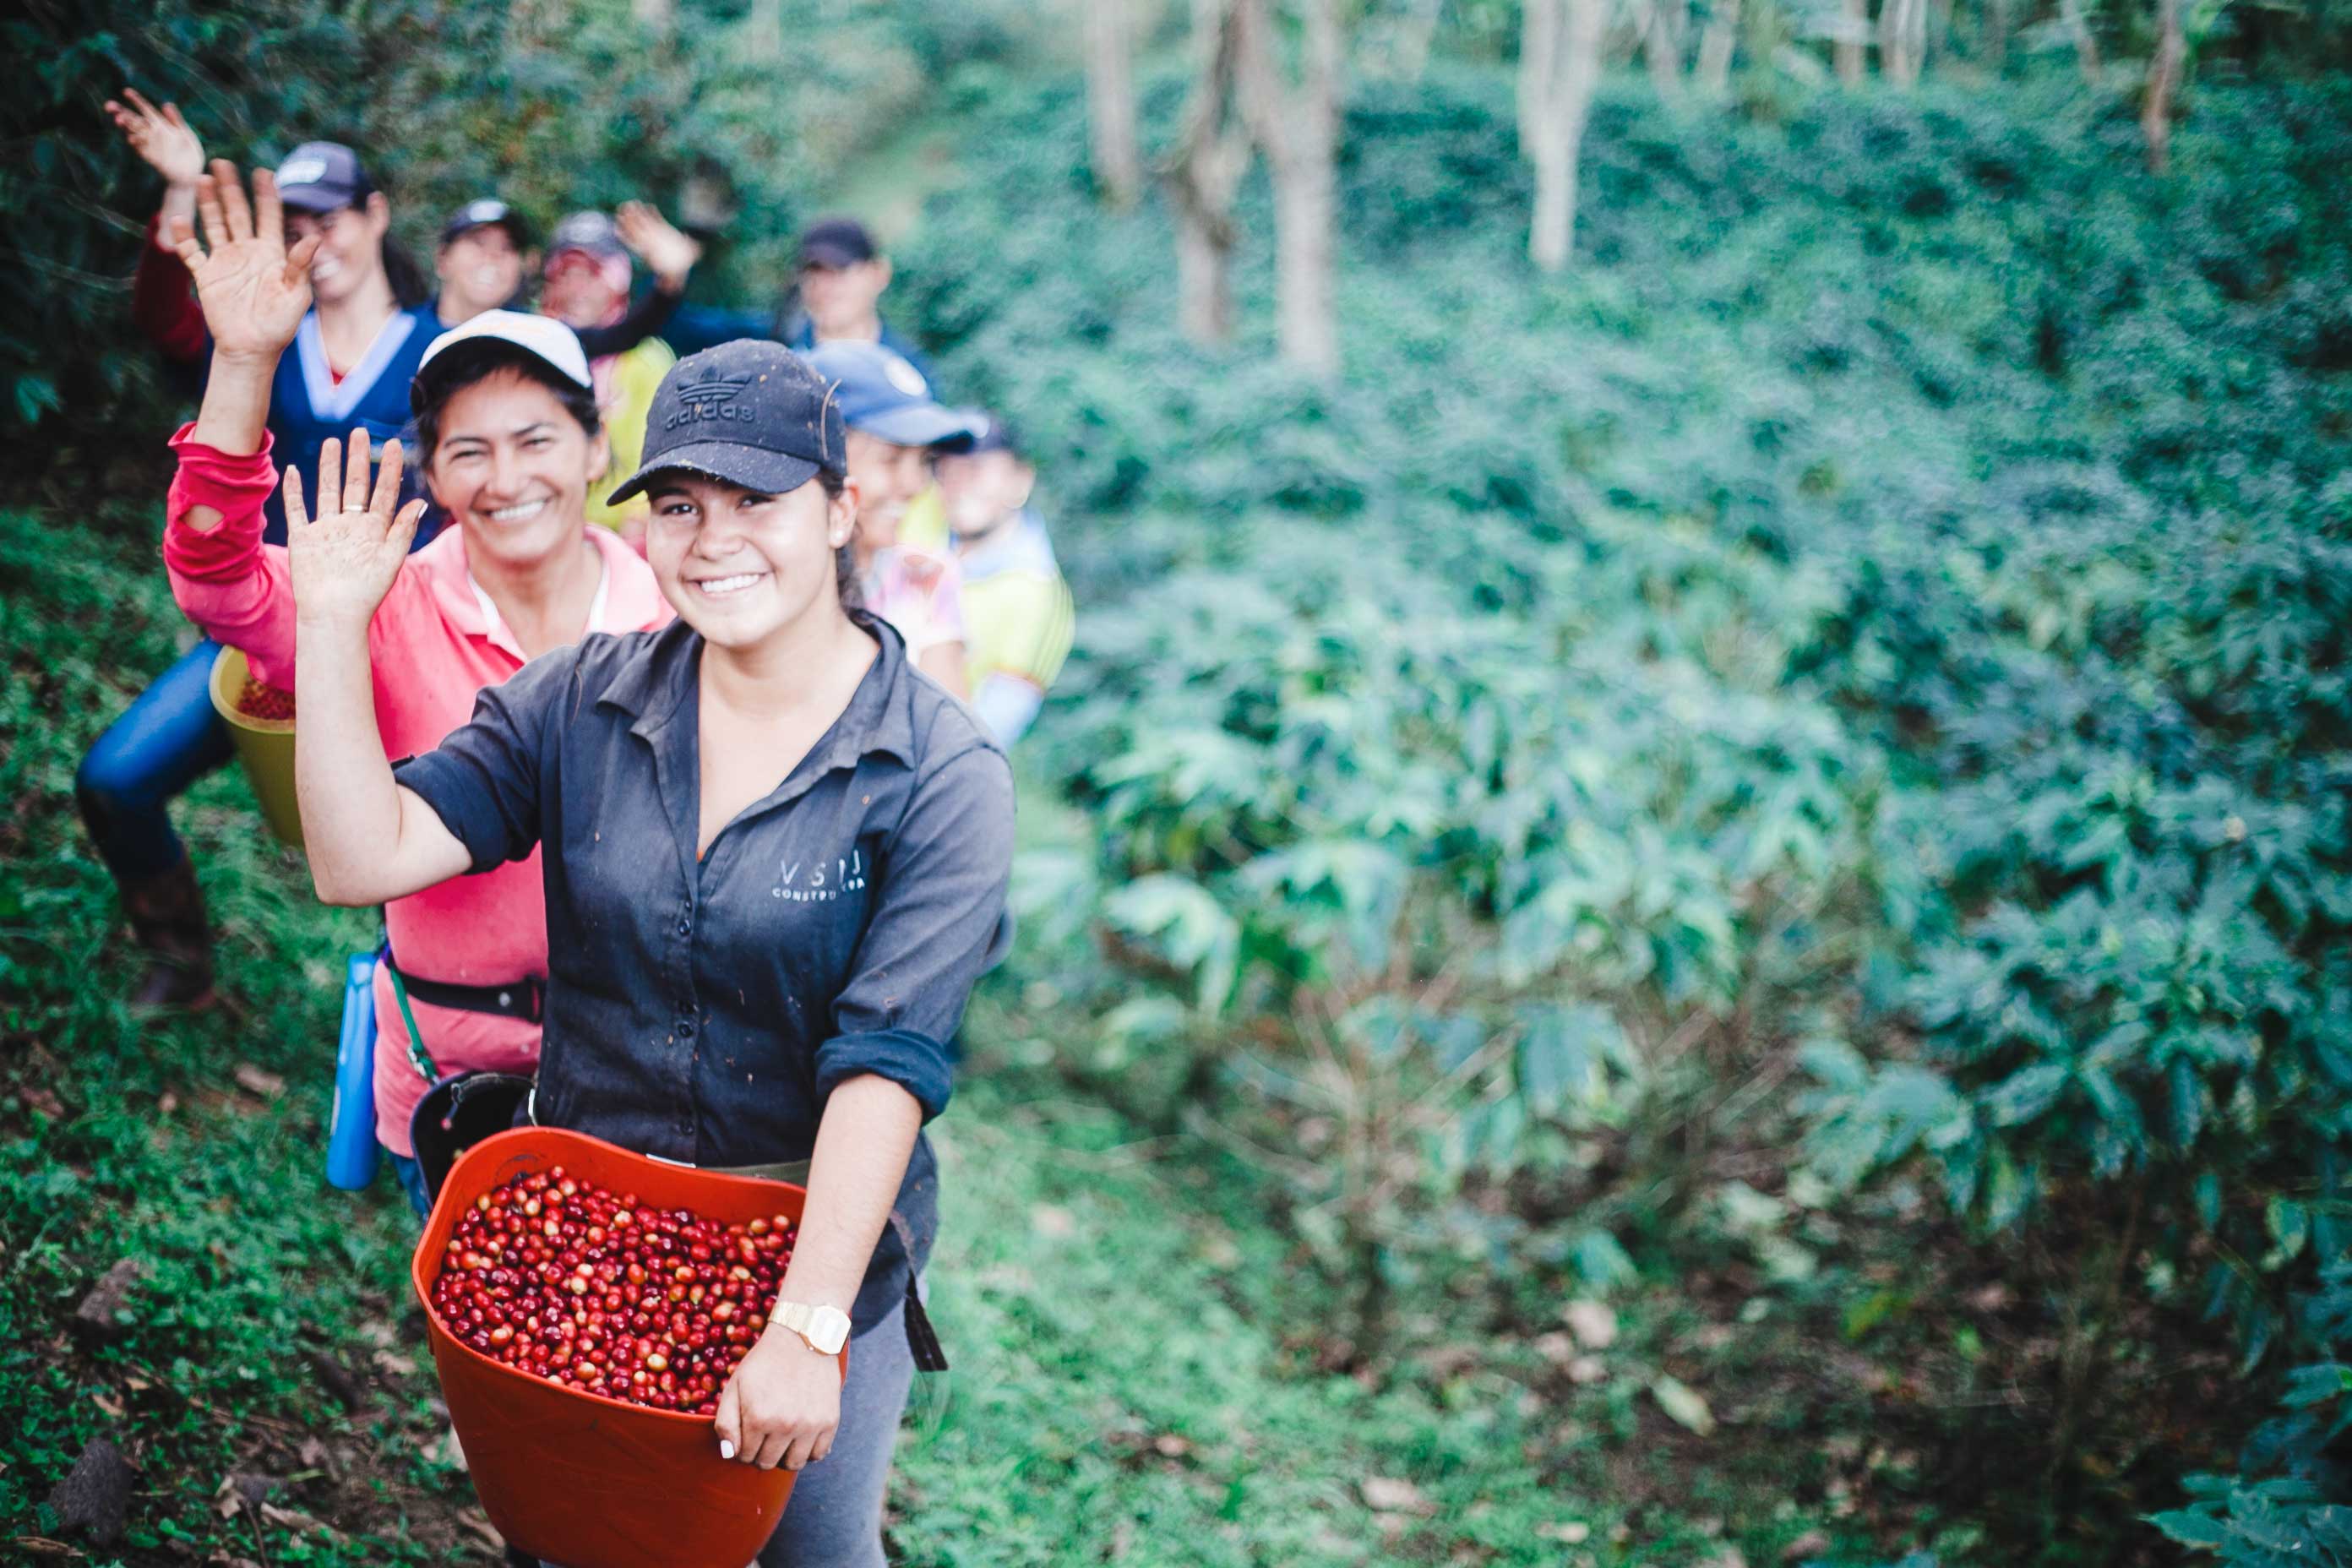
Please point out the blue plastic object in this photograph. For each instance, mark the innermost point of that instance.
(351, 1148)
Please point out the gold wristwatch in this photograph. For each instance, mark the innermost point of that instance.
(826, 1329)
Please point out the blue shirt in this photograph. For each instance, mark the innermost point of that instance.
(703, 1010)
(308, 407)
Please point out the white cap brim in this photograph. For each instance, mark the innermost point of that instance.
(543, 337)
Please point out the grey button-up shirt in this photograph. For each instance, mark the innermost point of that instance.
(703, 1011)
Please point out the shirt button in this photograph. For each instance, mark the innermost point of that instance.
(685, 927)
(686, 1028)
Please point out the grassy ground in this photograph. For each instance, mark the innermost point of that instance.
(1136, 1370)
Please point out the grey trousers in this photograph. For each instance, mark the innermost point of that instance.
(834, 1518)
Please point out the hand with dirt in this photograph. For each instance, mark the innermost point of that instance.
(667, 252)
(253, 290)
(343, 564)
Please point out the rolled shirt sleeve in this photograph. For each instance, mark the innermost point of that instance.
(233, 586)
(938, 925)
(486, 778)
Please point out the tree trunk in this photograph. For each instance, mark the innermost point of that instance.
(1662, 46)
(1573, 30)
(1716, 44)
(763, 29)
(1902, 39)
(1538, 49)
(1110, 102)
(1416, 33)
(2086, 48)
(1296, 123)
(1207, 169)
(2163, 80)
(1853, 34)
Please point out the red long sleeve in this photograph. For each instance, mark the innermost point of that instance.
(164, 302)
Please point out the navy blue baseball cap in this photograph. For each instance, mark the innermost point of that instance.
(991, 433)
(320, 176)
(883, 396)
(487, 212)
(750, 412)
(836, 242)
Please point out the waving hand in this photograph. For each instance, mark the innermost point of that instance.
(159, 136)
(253, 290)
(343, 564)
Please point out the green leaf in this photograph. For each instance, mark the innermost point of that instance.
(1600, 1263)
(2289, 1225)
(2192, 1529)
(1684, 1403)
(2026, 1094)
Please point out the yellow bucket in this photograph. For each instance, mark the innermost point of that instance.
(266, 747)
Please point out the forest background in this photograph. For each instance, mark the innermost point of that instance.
(1686, 902)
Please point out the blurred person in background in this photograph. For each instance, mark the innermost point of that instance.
(587, 288)
(483, 258)
(357, 346)
(1018, 616)
(485, 261)
(371, 317)
(894, 428)
(839, 286)
(507, 420)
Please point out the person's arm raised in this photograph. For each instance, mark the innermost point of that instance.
(167, 144)
(254, 292)
(369, 839)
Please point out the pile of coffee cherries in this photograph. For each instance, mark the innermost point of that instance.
(558, 1277)
(260, 702)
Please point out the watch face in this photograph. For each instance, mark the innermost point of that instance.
(829, 1329)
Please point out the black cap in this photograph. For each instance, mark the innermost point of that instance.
(751, 413)
(320, 176)
(488, 213)
(591, 232)
(991, 433)
(836, 242)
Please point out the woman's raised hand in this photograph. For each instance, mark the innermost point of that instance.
(667, 252)
(160, 136)
(253, 290)
(343, 564)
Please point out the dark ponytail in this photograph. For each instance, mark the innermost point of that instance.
(407, 278)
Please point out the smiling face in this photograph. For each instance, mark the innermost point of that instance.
(350, 246)
(739, 566)
(577, 292)
(513, 466)
(887, 476)
(840, 300)
(480, 270)
(982, 490)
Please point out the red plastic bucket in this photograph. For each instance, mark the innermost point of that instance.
(575, 1478)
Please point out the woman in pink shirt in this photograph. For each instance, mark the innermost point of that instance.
(506, 420)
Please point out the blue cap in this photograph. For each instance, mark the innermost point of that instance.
(320, 176)
(886, 397)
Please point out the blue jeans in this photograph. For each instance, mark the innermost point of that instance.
(167, 740)
(411, 1177)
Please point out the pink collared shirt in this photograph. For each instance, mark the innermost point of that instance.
(436, 641)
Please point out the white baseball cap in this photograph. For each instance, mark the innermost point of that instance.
(543, 337)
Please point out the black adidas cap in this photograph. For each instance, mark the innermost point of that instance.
(751, 413)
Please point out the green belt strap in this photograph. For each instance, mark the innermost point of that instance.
(416, 1056)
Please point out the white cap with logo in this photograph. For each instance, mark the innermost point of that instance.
(543, 337)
